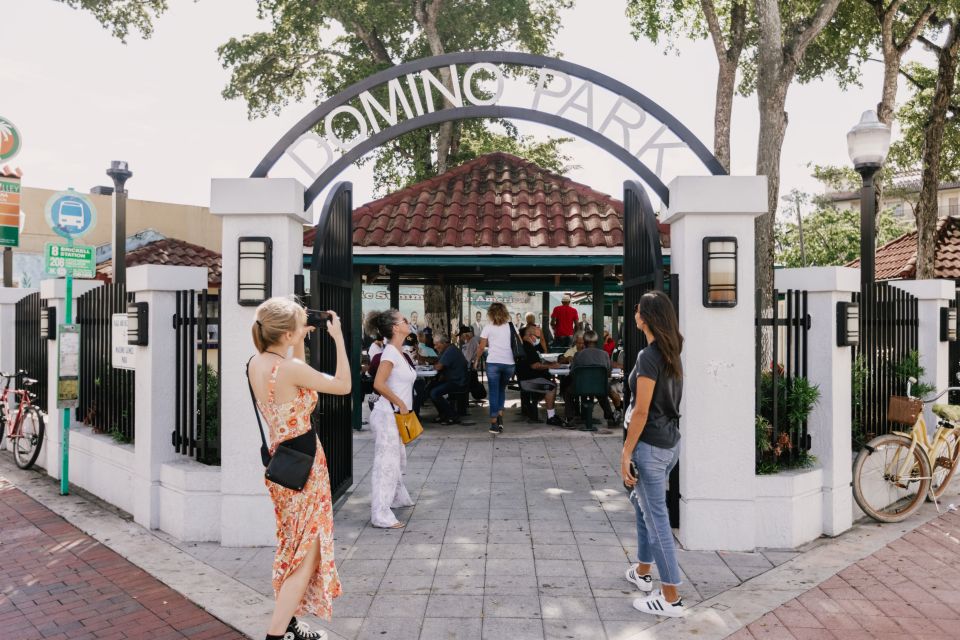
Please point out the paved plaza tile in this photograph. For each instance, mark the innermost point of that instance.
(57, 583)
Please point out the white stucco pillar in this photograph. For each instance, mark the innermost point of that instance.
(717, 446)
(931, 295)
(154, 415)
(9, 297)
(55, 293)
(271, 207)
(829, 424)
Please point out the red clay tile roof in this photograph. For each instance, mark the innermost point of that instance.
(495, 201)
(897, 260)
(172, 252)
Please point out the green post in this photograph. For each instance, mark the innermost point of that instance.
(65, 435)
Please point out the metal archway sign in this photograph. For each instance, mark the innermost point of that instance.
(629, 126)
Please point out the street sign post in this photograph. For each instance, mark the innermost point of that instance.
(70, 215)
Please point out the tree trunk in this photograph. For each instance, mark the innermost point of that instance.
(426, 12)
(436, 299)
(927, 210)
(726, 86)
(773, 128)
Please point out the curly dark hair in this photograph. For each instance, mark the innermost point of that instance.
(381, 323)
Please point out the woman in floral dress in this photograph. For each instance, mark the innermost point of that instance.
(305, 579)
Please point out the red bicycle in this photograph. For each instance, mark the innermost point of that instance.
(22, 423)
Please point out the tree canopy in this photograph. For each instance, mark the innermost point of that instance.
(122, 16)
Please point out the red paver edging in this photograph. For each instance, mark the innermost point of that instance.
(908, 589)
(57, 583)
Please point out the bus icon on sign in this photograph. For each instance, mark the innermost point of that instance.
(70, 215)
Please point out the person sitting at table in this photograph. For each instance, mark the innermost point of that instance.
(469, 343)
(411, 349)
(532, 376)
(452, 378)
(590, 356)
(427, 353)
(531, 319)
(575, 348)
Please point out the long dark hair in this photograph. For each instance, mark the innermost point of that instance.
(657, 312)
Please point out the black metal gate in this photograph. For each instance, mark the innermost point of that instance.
(888, 333)
(30, 352)
(954, 366)
(642, 272)
(331, 287)
(197, 397)
(106, 394)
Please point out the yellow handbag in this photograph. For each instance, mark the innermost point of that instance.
(409, 426)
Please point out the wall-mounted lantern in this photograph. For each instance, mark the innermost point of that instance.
(720, 272)
(254, 284)
(137, 323)
(48, 323)
(948, 324)
(848, 324)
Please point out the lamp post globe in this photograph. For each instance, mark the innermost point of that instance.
(868, 143)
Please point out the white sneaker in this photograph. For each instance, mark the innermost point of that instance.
(658, 606)
(643, 583)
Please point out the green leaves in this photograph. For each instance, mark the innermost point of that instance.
(120, 16)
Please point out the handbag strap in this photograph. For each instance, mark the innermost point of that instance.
(256, 409)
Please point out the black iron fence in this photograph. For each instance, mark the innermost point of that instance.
(106, 393)
(30, 350)
(888, 336)
(197, 397)
(782, 387)
(954, 396)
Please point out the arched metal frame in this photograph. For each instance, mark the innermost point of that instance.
(492, 111)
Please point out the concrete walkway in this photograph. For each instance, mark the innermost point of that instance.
(525, 535)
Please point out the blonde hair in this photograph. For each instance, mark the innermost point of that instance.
(274, 318)
(498, 313)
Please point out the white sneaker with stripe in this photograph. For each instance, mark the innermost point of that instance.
(643, 583)
(657, 605)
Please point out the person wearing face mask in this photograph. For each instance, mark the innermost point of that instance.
(531, 373)
(531, 319)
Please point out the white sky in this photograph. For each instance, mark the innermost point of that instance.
(81, 99)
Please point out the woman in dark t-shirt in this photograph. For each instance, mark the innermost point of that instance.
(652, 446)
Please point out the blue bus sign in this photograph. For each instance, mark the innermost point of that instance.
(70, 214)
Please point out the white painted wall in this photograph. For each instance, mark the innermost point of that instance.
(250, 207)
(717, 482)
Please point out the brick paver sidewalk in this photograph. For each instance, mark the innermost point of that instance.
(58, 583)
(908, 589)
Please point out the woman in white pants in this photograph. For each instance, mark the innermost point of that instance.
(394, 382)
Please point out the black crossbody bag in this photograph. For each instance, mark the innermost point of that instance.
(291, 463)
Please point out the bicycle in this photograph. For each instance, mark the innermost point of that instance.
(895, 472)
(25, 427)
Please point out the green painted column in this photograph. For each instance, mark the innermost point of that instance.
(596, 320)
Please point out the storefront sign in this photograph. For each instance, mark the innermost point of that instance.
(9, 211)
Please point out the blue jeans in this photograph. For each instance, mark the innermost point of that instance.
(498, 375)
(438, 393)
(654, 535)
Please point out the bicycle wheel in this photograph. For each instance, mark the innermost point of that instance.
(944, 464)
(890, 482)
(27, 445)
(3, 426)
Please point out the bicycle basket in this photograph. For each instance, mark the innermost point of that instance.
(903, 410)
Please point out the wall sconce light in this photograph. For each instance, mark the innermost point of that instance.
(848, 324)
(948, 324)
(48, 323)
(720, 272)
(255, 278)
(137, 323)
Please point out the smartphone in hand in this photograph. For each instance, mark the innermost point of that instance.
(634, 473)
(317, 319)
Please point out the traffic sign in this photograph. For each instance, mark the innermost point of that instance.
(9, 211)
(10, 140)
(71, 261)
(70, 214)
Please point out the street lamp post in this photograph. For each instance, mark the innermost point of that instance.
(868, 142)
(120, 173)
